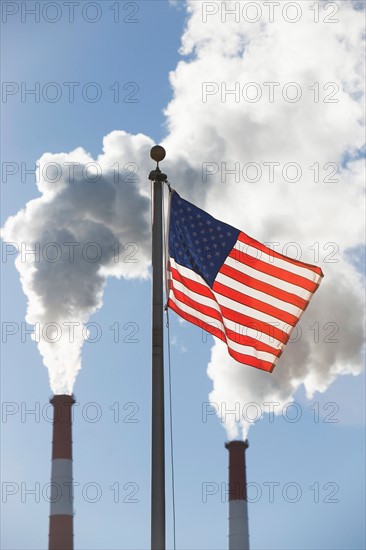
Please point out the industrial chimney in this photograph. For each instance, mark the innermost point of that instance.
(238, 505)
(61, 516)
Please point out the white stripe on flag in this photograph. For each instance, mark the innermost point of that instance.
(271, 260)
(269, 279)
(231, 325)
(257, 294)
(240, 348)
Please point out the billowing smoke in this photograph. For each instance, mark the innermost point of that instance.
(83, 228)
(91, 221)
(279, 134)
(280, 105)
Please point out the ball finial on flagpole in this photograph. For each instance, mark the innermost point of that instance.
(157, 153)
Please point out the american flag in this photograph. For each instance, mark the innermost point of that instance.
(234, 287)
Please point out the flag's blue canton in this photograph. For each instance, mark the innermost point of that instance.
(197, 240)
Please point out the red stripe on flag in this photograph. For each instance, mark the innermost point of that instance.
(236, 336)
(253, 342)
(234, 316)
(188, 301)
(243, 238)
(254, 303)
(237, 296)
(263, 287)
(273, 271)
(215, 331)
(199, 288)
(244, 320)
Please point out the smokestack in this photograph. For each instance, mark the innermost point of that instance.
(238, 505)
(61, 516)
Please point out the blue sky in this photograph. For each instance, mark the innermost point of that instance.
(317, 463)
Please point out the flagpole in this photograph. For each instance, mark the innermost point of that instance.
(157, 153)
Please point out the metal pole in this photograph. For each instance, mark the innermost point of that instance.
(157, 433)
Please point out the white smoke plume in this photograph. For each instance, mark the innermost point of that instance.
(91, 221)
(207, 128)
(83, 227)
(323, 219)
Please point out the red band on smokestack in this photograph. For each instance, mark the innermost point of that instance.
(62, 438)
(61, 516)
(61, 533)
(237, 474)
